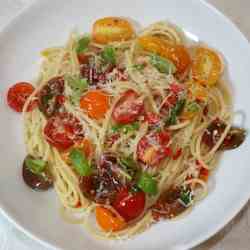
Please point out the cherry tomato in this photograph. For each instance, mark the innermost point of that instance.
(18, 94)
(207, 66)
(152, 118)
(178, 54)
(129, 205)
(51, 96)
(108, 220)
(153, 148)
(112, 29)
(95, 103)
(128, 108)
(63, 130)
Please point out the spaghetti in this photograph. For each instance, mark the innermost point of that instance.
(127, 126)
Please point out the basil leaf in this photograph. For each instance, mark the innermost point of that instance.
(129, 165)
(36, 166)
(108, 55)
(147, 184)
(186, 197)
(138, 67)
(82, 45)
(193, 107)
(80, 163)
(125, 128)
(175, 111)
(163, 65)
(76, 83)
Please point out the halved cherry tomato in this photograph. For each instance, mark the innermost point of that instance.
(18, 94)
(128, 108)
(153, 148)
(95, 103)
(178, 54)
(207, 66)
(112, 29)
(129, 205)
(109, 221)
(152, 118)
(63, 130)
(51, 96)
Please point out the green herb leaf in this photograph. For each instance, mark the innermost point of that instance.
(125, 128)
(108, 55)
(80, 162)
(138, 67)
(176, 110)
(76, 83)
(163, 65)
(186, 197)
(83, 44)
(129, 165)
(193, 107)
(147, 184)
(36, 166)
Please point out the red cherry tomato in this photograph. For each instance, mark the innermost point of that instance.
(128, 108)
(129, 205)
(152, 118)
(153, 148)
(18, 94)
(63, 130)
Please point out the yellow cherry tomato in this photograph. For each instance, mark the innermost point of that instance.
(207, 66)
(178, 54)
(112, 29)
(108, 221)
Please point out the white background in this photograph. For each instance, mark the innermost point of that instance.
(235, 236)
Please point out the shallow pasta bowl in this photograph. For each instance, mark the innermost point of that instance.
(48, 23)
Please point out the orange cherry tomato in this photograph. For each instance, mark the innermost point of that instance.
(112, 29)
(109, 221)
(204, 174)
(178, 54)
(207, 66)
(95, 103)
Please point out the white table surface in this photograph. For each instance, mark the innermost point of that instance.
(235, 236)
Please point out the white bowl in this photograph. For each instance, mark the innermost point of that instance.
(48, 23)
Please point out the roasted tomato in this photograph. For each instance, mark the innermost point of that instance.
(95, 103)
(153, 148)
(51, 96)
(103, 185)
(112, 29)
(108, 220)
(128, 108)
(235, 137)
(207, 66)
(130, 205)
(168, 205)
(63, 130)
(18, 94)
(178, 54)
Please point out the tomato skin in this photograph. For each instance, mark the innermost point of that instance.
(178, 54)
(152, 118)
(51, 96)
(95, 103)
(153, 148)
(108, 221)
(18, 94)
(207, 66)
(62, 131)
(129, 205)
(128, 108)
(112, 29)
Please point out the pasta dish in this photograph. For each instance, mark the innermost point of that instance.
(126, 126)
